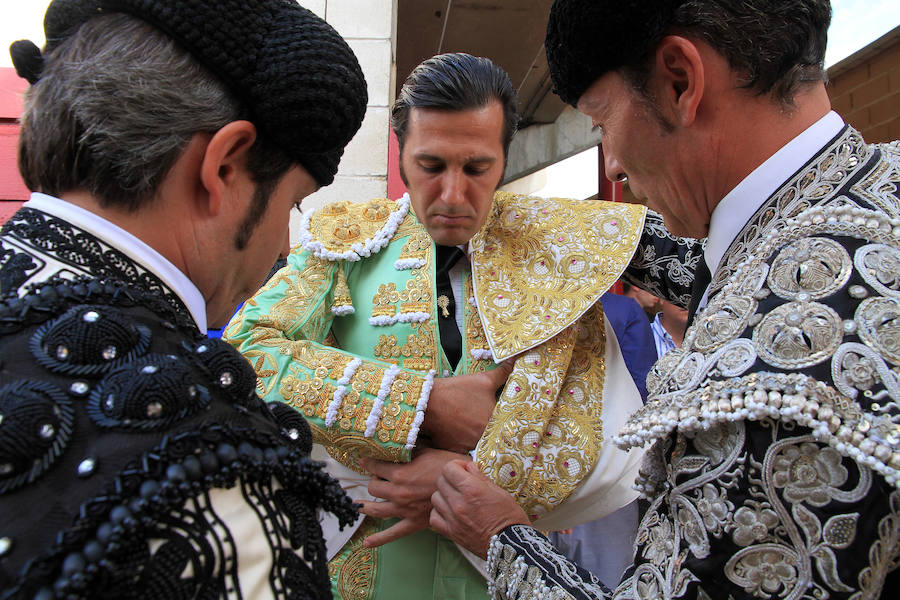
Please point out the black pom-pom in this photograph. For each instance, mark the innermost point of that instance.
(27, 59)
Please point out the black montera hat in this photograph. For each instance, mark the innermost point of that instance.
(299, 80)
(587, 38)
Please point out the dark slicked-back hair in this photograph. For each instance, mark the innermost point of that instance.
(775, 46)
(456, 81)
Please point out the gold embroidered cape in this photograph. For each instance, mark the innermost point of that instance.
(347, 333)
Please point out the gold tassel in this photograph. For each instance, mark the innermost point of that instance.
(343, 303)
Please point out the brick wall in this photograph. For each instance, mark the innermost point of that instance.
(865, 89)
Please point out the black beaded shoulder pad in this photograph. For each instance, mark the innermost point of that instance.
(135, 455)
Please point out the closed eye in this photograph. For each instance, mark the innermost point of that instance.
(476, 169)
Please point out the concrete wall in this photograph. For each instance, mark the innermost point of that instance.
(865, 89)
(368, 26)
(540, 146)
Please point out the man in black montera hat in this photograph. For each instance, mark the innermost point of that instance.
(166, 143)
(774, 460)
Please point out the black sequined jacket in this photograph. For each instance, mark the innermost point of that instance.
(774, 432)
(136, 460)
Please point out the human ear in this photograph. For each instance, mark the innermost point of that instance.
(679, 78)
(224, 161)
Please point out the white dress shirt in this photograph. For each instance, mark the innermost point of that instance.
(742, 202)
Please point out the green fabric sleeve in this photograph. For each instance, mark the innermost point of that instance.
(355, 406)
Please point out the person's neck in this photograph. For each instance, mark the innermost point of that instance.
(754, 128)
(149, 224)
(674, 324)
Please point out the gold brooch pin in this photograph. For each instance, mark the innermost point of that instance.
(443, 303)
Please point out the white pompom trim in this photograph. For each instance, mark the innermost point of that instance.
(421, 405)
(482, 354)
(341, 391)
(405, 264)
(378, 405)
(408, 317)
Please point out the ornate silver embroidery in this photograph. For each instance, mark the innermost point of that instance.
(857, 368)
(797, 335)
(878, 320)
(724, 318)
(782, 471)
(820, 181)
(879, 266)
(810, 269)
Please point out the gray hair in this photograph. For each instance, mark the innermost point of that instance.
(116, 105)
(774, 46)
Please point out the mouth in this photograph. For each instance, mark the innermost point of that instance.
(450, 220)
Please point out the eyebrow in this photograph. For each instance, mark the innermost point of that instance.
(481, 159)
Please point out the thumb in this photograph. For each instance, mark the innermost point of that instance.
(473, 468)
(501, 373)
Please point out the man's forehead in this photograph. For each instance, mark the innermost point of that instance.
(493, 110)
(600, 93)
(432, 129)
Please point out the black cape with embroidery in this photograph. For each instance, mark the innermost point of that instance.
(774, 469)
(136, 460)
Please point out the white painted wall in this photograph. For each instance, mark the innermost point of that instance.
(368, 26)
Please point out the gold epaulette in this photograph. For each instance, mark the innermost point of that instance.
(350, 230)
(538, 264)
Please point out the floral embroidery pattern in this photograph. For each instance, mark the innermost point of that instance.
(809, 473)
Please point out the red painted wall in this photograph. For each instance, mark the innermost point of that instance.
(12, 189)
(395, 185)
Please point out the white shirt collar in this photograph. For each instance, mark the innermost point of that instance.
(741, 203)
(127, 243)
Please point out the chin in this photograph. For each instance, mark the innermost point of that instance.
(454, 237)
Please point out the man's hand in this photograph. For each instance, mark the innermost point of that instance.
(469, 508)
(406, 489)
(459, 407)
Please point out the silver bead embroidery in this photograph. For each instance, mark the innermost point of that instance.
(47, 431)
(86, 467)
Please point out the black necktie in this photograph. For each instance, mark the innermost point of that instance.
(451, 341)
(702, 278)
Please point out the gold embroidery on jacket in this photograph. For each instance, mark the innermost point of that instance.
(546, 432)
(417, 247)
(353, 570)
(308, 387)
(418, 353)
(383, 303)
(474, 336)
(538, 265)
(340, 225)
(416, 298)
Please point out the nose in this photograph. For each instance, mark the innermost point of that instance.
(614, 171)
(453, 187)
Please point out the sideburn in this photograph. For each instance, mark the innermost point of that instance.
(258, 205)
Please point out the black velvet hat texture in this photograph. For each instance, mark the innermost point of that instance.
(587, 38)
(297, 77)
